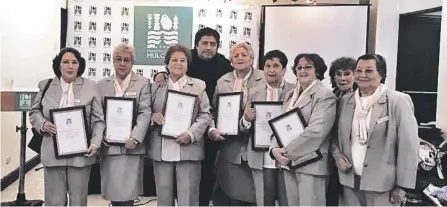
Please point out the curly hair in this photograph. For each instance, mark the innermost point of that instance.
(342, 63)
(316, 60)
(57, 61)
(177, 48)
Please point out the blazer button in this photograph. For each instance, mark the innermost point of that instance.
(368, 146)
(365, 165)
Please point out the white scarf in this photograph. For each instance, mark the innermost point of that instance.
(120, 89)
(361, 113)
(67, 99)
(296, 98)
(240, 84)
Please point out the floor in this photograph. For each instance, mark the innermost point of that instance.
(34, 190)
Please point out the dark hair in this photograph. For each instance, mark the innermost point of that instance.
(342, 63)
(57, 61)
(318, 62)
(276, 54)
(177, 48)
(380, 64)
(206, 32)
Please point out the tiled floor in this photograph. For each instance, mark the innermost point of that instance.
(34, 190)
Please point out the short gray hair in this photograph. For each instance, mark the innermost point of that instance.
(244, 46)
(124, 47)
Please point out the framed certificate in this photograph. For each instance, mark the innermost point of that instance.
(288, 126)
(71, 131)
(262, 133)
(120, 114)
(178, 113)
(229, 111)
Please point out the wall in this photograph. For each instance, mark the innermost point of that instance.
(441, 115)
(30, 42)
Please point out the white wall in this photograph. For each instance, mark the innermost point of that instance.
(30, 41)
(441, 114)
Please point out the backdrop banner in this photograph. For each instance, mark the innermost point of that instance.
(96, 26)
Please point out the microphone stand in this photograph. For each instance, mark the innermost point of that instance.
(21, 197)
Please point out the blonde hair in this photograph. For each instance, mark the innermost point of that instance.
(124, 47)
(244, 46)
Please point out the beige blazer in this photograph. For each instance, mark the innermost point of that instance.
(393, 148)
(138, 89)
(201, 115)
(234, 147)
(256, 158)
(85, 93)
(318, 107)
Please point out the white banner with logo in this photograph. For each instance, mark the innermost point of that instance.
(96, 26)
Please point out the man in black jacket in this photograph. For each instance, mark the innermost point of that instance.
(209, 66)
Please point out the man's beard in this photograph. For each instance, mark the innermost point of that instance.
(207, 55)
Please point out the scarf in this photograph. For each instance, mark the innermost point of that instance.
(240, 84)
(67, 99)
(297, 95)
(362, 112)
(120, 89)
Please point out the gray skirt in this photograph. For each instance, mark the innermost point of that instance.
(236, 180)
(121, 177)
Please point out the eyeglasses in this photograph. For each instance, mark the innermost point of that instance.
(307, 67)
(125, 60)
(367, 72)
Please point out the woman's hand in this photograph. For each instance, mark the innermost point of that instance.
(158, 118)
(216, 135)
(183, 138)
(160, 79)
(281, 155)
(49, 127)
(249, 114)
(91, 151)
(342, 162)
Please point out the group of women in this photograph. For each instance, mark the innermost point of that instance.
(365, 129)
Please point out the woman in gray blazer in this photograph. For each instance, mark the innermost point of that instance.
(378, 134)
(122, 166)
(234, 181)
(306, 186)
(68, 175)
(177, 161)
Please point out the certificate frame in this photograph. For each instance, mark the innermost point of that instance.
(240, 111)
(273, 123)
(254, 146)
(106, 111)
(80, 109)
(165, 109)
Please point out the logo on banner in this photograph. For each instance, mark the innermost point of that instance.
(77, 26)
(233, 30)
(156, 28)
(139, 71)
(92, 26)
(202, 13)
(125, 40)
(220, 43)
(125, 27)
(77, 41)
(107, 26)
(231, 44)
(92, 11)
(107, 11)
(201, 26)
(92, 42)
(107, 42)
(153, 72)
(247, 32)
(106, 72)
(106, 58)
(91, 72)
(77, 10)
(248, 43)
(92, 57)
(233, 14)
(219, 13)
(219, 28)
(248, 16)
(125, 11)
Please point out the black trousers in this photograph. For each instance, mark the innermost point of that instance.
(220, 198)
(334, 189)
(208, 176)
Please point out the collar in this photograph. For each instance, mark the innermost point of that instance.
(247, 76)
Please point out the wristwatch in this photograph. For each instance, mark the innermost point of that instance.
(135, 141)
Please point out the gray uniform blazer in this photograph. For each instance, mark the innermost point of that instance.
(318, 107)
(202, 116)
(138, 89)
(393, 148)
(256, 158)
(85, 93)
(234, 147)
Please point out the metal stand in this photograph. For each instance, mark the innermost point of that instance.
(21, 198)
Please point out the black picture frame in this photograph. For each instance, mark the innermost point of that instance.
(82, 109)
(241, 96)
(134, 115)
(253, 128)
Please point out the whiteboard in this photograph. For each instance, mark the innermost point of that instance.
(330, 31)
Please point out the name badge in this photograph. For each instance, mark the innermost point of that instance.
(131, 93)
(77, 100)
(383, 119)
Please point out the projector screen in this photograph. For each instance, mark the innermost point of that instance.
(330, 31)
